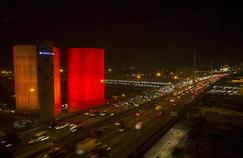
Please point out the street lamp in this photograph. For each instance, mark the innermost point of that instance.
(175, 77)
(158, 74)
(32, 89)
(138, 76)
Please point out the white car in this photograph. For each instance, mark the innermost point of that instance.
(125, 103)
(39, 139)
(135, 104)
(117, 105)
(86, 113)
(102, 114)
(62, 126)
(172, 100)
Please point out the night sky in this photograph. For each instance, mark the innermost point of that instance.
(133, 34)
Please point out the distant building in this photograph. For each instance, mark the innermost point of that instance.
(37, 78)
(85, 78)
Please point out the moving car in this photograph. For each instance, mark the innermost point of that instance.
(139, 125)
(119, 122)
(86, 146)
(39, 137)
(123, 128)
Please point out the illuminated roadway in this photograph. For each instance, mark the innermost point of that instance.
(122, 143)
(136, 83)
(127, 140)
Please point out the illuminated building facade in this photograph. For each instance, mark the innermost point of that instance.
(37, 79)
(57, 80)
(85, 78)
(25, 77)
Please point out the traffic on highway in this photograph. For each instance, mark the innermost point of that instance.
(115, 129)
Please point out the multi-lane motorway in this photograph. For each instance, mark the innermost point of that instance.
(122, 143)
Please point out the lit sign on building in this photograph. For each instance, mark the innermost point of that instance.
(46, 53)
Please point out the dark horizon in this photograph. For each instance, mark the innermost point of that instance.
(132, 34)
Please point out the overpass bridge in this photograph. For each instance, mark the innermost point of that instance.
(137, 83)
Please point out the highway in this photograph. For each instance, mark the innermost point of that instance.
(122, 143)
(152, 124)
(89, 123)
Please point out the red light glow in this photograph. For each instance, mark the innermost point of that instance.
(85, 78)
(57, 81)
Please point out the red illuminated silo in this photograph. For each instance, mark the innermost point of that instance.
(85, 78)
(57, 80)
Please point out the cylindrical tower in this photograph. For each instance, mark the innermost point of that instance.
(85, 78)
(25, 77)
